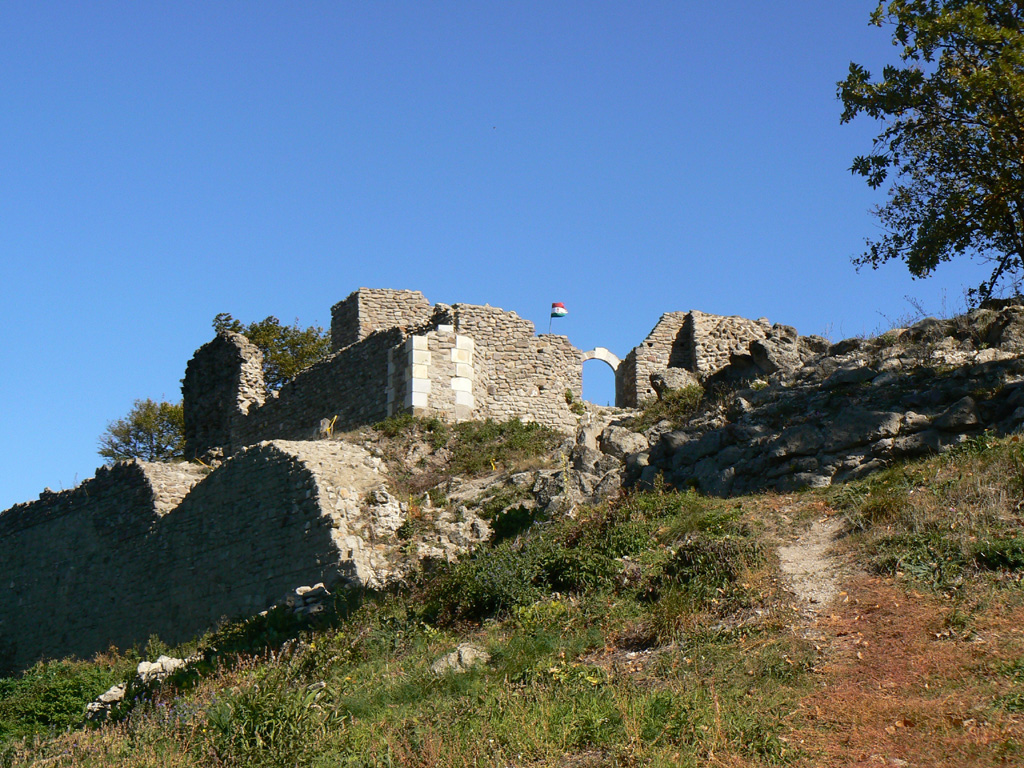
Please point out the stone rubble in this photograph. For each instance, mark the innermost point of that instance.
(147, 676)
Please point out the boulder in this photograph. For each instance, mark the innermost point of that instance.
(856, 426)
(961, 415)
(778, 351)
(462, 659)
(850, 375)
(620, 442)
(929, 330)
(672, 379)
(98, 710)
(154, 672)
(801, 440)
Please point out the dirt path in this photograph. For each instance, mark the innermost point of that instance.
(812, 568)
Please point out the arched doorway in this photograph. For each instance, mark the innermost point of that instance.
(597, 388)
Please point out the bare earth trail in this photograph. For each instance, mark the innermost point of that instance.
(891, 685)
(812, 567)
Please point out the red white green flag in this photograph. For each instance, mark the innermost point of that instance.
(558, 309)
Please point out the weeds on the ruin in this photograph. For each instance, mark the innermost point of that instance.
(423, 454)
(675, 406)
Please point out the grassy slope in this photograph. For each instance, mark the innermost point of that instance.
(654, 631)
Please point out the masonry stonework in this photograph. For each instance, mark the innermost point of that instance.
(165, 549)
(169, 549)
(394, 353)
(373, 309)
(699, 342)
(223, 380)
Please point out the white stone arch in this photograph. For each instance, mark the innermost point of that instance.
(604, 355)
(612, 361)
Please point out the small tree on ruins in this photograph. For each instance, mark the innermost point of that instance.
(151, 431)
(287, 349)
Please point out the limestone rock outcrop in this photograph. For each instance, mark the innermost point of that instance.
(790, 417)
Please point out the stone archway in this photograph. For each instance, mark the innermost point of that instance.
(607, 356)
(601, 353)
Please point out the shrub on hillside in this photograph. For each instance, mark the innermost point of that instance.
(51, 696)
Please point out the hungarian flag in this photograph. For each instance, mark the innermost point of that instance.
(558, 309)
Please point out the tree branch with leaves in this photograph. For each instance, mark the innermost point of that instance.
(287, 349)
(951, 146)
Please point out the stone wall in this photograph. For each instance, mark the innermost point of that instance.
(518, 374)
(223, 381)
(650, 356)
(352, 385)
(699, 342)
(711, 339)
(459, 362)
(147, 549)
(79, 565)
(375, 309)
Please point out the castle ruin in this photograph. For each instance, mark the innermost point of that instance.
(169, 549)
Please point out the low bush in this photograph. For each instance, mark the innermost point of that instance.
(51, 696)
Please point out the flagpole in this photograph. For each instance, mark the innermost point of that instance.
(549, 323)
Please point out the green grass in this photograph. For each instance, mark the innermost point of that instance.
(945, 519)
(51, 696)
(466, 449)
(647, 631)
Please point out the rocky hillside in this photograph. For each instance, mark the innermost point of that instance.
(813, 558)
(793, 412)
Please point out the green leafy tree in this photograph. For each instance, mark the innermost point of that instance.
(952, 138)
(151, 431)
(287, 349)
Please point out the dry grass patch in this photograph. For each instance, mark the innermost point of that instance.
(898, 685)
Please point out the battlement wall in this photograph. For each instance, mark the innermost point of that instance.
(397, 354)
(351, 384)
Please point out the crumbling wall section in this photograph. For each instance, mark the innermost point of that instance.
(254, 529)
(77, 565)
(697, 341)
(351, 384)
(653, 354)
(715, 337)
(368, 310)
(223, 382)
(146, 549)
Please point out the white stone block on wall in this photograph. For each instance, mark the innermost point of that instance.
(462, 384)
(420, 385)
(446, 329)
(464, 342)
(418, 342)
(419, 356)
(420, 371)
(464, 398)
(416, 400)
(464, 370)
(462, 355)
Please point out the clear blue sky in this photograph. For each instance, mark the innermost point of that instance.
(161, 162)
